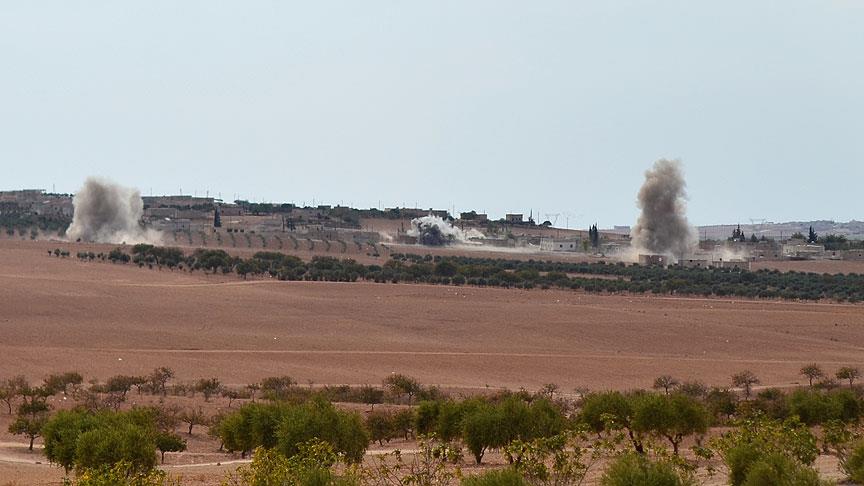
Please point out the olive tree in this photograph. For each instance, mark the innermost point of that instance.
(673, 417)
(848, 373)
(745, 381)
(665, 383)
(169, 442)
(812, 371)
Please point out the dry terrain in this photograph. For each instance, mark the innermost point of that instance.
(103, 319)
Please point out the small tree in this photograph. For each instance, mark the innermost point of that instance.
(169, 442)
(549, 390)
(208, 387)
(120, 384)
(371, 395)
(481, 430)
(277, 387)
(193, 417)
(398, 384)
(403, 423)
(812, 372)
(848, 373)
(10, 389)
(607, 411)
(232, 395)
(666, 383)
(594, 235)
(61, 382)
(253, 389)
(140, 383)
(113, 442)
(671, 416)
(32, 414)
(745, 380)
(29, 426)
(159, 379)
(380, 426)
(695, 389)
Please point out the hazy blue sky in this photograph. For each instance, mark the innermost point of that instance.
(495, 105)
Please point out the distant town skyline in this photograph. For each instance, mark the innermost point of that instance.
(498, 106)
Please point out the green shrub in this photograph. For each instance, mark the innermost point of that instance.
(319, 419)
(756, 439)
(82, 440)
(636, 469)
(779, 470)
(497, 477)
(311, 466)
(116, 443)
(854, 463)
(122, 473)
(740, 459)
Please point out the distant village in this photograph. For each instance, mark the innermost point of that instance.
(37, 213)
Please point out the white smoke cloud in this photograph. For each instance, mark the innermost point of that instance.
(108, 213)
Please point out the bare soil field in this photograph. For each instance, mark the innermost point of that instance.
(103, 319)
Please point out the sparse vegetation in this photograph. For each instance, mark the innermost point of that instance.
(769, 438)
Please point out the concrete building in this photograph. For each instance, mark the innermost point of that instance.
(653, 260)
(474, 216)
(552, 244)
(800, 250)
(417, 212)
(699, 261)
(514, 218)
(22, 195)
(169, 225)
(694, 262)
(161, 212)
(179, 201)
(36, 201)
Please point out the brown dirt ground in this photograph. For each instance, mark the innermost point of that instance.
(103, 319)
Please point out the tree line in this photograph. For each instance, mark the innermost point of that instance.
(488, 272)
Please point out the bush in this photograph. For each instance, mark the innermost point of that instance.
(482, 430)
(673, 417)
(756, 440)
(854, 464)
(740, 459)
(86, 441)
(635, 469)
(286, 427)
(319, 419)
(498, 477)
(122, 473)
(779, 470)
(116, 443)
(311, 466)
(169, 442)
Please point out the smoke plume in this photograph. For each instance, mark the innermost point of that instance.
(662, 227)
(108, 213)
(435, 231)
